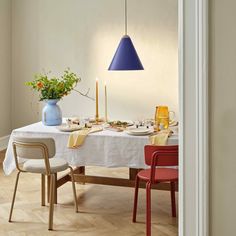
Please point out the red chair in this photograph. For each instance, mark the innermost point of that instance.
(157, 156)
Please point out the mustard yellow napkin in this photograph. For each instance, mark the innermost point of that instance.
(77, 138)
(160, 138)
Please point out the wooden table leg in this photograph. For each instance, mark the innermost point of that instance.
(133, 172)
(81, 171)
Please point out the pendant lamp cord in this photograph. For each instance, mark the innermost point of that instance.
(125, 17)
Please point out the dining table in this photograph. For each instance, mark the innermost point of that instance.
(105, 148)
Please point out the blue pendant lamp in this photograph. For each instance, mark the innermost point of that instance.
(126, 57)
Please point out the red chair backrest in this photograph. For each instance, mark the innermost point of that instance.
(163, 158)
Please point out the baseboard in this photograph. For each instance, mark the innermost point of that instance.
(4, 142)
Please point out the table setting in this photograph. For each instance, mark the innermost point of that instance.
(94, 141)
(79, 129)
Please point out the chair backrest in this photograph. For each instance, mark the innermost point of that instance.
(166, 155)
(34, 148)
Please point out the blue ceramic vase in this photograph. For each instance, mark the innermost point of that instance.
(51, 114)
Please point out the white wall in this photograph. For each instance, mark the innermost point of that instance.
(52, 35)
(5, 67)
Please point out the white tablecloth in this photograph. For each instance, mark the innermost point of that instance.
(106, 148)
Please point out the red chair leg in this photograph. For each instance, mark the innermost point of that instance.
(135, 198)
(148, 209)
(172, 193)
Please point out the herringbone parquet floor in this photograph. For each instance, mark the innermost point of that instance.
(103, 210)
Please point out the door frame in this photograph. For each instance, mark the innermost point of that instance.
(193, 130)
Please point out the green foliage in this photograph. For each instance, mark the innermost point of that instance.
(54, 88)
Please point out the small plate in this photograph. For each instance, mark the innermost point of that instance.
(173, 123)
(71, 128)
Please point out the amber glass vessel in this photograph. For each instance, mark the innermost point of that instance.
(162, 117)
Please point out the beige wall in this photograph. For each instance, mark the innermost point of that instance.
(84, 35)
(222, 117)
(5, 67)
(25, 60)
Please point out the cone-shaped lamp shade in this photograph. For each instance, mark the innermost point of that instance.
(126, 57)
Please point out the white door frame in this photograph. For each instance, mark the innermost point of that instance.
(193, 90)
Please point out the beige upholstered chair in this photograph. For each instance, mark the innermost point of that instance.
(39, 154)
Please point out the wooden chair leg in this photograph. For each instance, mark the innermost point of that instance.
(42, 189)
(14, 195)
(135, 198)
(55, 189)
(148, 209)
(48, 187)
(172, 193)
(73, 188)
(51, 206)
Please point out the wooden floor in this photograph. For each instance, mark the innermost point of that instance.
(103, 210)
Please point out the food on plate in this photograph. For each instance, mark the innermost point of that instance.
(93, 120)
(73, 120)
(118, 123)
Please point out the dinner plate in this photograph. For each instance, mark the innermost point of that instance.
(139, 131)
(71, 128)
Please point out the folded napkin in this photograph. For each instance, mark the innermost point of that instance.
(160, 138)
(77, 138)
